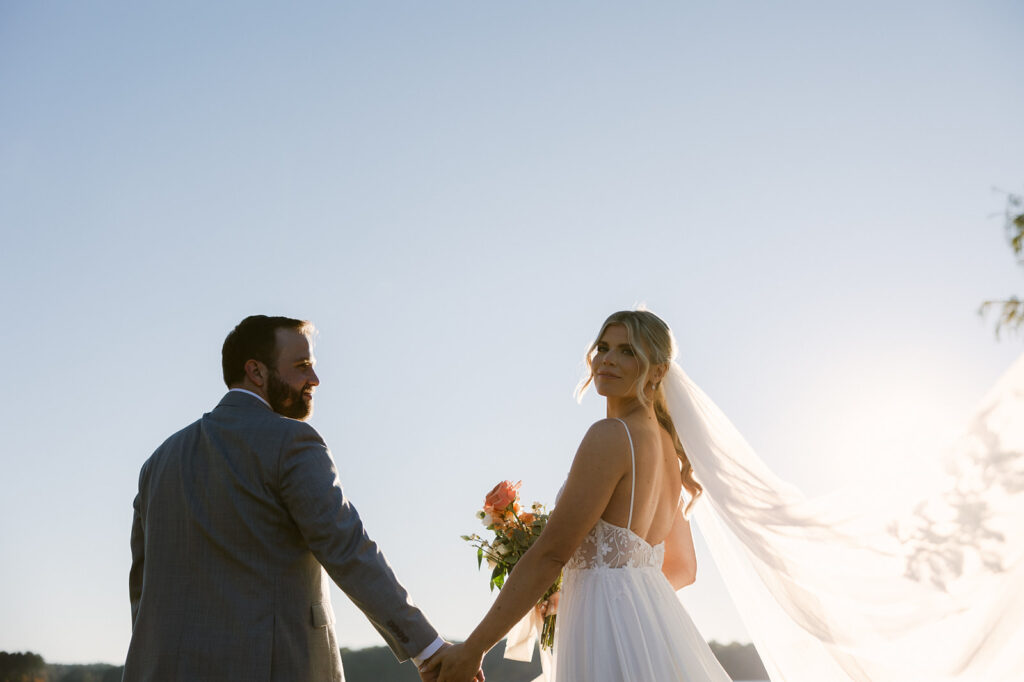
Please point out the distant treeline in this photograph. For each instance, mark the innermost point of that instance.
(374, 664)
(21, 667)
(30, 667)
(378, 664)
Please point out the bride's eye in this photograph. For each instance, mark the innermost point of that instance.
(627, 351)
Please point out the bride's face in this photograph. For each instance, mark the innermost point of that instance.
(615, 364)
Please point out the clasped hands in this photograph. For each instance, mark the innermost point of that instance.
(453, 663)
(463, 662)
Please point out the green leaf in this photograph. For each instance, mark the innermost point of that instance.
(479, 558)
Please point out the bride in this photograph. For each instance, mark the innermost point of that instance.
(889, 581)
(619, 531)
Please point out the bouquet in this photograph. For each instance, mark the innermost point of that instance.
(514, 531)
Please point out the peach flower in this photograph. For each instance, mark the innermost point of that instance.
(502, 495)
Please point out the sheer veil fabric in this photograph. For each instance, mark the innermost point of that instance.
(836, 588)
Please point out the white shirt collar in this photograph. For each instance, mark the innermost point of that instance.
(254, 395)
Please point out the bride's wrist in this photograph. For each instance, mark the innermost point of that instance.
(475, 645)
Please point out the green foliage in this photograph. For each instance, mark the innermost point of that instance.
(1015, 223)
(30, 667)
(94, 672)
(1010, 314)
(22, 667)
(498, 577)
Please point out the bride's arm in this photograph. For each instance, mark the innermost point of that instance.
(600, 463)
(680, 565)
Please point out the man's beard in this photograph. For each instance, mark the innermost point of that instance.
(287, 401)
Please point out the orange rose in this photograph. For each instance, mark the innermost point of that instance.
(502, 495)
(527, 518)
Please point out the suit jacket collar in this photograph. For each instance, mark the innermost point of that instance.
(239, 399)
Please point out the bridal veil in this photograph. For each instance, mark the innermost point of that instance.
(836, 588)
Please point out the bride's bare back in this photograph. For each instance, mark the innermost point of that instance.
(656, 494)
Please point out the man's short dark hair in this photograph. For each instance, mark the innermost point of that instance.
(255, 338)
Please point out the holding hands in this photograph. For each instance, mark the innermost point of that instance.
(454, 663)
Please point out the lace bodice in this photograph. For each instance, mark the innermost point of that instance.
(610, 546)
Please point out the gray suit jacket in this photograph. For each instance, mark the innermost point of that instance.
(236, 519)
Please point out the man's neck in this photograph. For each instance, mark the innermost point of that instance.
(250, 392)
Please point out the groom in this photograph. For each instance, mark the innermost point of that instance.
(239, 520)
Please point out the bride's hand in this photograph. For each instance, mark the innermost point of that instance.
(549, 607)
(456, 663)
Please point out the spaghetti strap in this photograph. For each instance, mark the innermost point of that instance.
(632, 482)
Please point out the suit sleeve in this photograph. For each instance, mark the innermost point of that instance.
(138, 543)
(334, 533)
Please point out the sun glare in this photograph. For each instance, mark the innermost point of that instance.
(864, 421)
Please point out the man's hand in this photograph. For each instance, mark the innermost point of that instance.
(426, 673)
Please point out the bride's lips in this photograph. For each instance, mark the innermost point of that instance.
(607, 375)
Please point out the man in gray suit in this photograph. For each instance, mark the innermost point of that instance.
(237, 517)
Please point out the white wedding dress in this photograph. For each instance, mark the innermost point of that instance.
(619, 619)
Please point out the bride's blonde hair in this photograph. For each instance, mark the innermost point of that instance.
(653, 344)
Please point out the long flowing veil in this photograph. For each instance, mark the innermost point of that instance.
(837, 588)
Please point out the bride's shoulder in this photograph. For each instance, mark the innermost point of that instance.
(607, 426)
(605, 438)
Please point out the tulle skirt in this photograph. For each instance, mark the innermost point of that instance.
(627, 625)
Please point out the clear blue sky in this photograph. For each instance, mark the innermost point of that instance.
(457, 194)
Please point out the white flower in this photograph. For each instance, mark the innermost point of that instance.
(503, 549)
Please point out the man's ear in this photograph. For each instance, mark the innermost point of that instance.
(257, 372)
